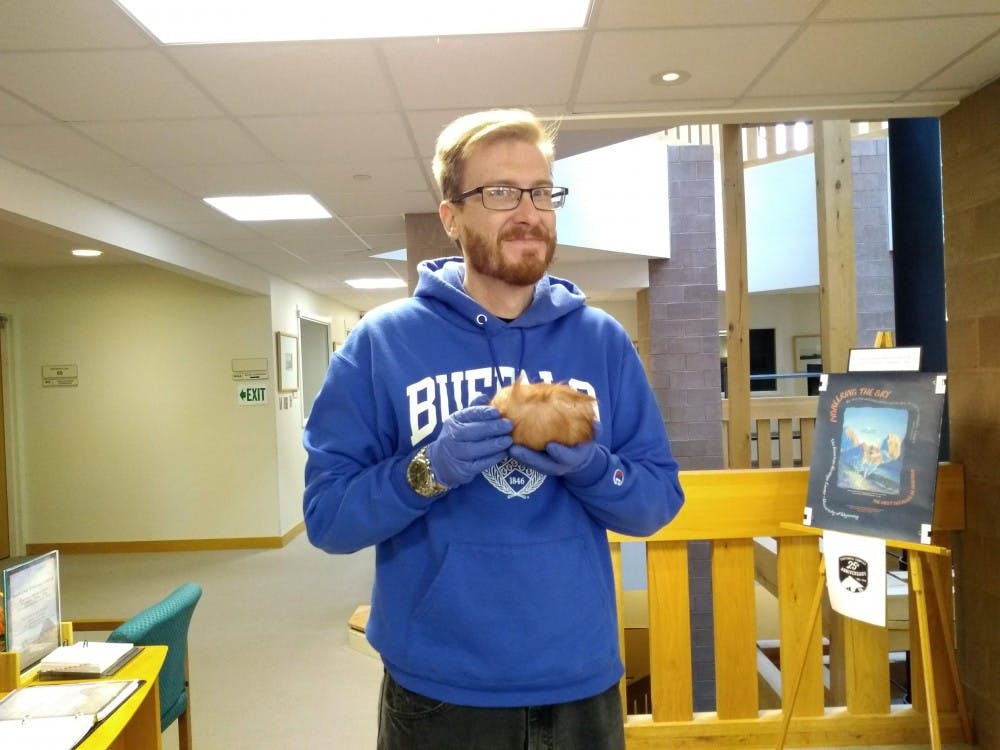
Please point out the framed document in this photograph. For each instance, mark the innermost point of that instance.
(32, 608)
(288, 362)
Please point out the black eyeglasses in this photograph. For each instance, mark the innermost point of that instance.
(508, 197)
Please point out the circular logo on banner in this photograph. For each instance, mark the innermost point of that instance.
(853, 573)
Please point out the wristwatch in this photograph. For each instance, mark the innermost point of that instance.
(420, 476)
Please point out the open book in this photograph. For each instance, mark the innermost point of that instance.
(59, 716)
(86, 659)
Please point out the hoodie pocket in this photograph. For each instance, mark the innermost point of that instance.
(520, 616)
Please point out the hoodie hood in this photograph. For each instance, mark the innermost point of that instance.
(440, 285)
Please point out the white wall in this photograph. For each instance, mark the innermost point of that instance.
(789, 315)
(287, 302)
(154, 443)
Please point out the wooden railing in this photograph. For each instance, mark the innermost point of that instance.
(781, 429)
(730, 508)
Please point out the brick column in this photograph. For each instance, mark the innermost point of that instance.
(683, 364)
(873, 261)
(683, 302)
(425, 238)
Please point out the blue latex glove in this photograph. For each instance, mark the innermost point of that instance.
(471, 440)
(558, 460)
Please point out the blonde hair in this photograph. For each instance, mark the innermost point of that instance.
(462, 136)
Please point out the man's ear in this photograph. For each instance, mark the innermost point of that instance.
(446, 210)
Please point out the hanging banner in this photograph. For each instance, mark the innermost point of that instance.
(855, 575)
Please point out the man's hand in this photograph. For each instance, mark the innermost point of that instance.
(471, 440)
(558, 460)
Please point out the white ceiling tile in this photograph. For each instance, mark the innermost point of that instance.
(383, 243)
(885, 56)
(292, 78)
(218, 228)
(318, 249)
(233, 179)
(502, 70)
(644, 14)
(103, 85)
(114, 185)
(377, 204)
(350, 176)
(294, 231)
(325, 137)
(47, 147)
(976, 69)
(620, 64)
(61, 24)
(178, 142)
(371, 225)
(15, 112)
(861, 9)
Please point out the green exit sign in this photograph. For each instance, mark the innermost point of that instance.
(249, 393)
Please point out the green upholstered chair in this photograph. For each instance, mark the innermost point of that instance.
(166, 623)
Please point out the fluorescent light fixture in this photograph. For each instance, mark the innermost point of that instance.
(268, 207)
(380, 283)
(222, 21)
(83, 252)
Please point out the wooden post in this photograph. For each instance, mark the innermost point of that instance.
(737, 298)
(835, 223)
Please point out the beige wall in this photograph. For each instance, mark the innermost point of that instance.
(287, 302)
(970, 141)
(153, 444)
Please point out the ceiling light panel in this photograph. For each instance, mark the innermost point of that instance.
(268, 207)
(224, 21)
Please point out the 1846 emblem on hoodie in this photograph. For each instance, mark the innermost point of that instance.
(514, 479)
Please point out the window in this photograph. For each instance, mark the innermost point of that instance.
(762, 359)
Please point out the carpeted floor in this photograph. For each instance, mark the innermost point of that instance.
(270, 664)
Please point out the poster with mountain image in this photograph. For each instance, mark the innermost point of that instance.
(875, 454)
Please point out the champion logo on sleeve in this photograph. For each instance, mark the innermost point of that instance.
(618, 477)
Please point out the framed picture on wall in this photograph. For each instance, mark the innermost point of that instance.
(807, 351)
(288, 362)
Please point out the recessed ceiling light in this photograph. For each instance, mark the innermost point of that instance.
(670, 77)
(82, 252)
(268, 207)
(381, 283)
(222, 21)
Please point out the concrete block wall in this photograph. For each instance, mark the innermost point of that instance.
(873, 260)
(970, 151)
(683, 365)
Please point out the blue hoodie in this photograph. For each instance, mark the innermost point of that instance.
(499, 592)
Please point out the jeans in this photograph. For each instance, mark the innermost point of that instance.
(409, 721)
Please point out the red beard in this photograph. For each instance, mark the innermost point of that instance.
(487, 259)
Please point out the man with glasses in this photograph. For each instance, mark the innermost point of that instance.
(493, 607)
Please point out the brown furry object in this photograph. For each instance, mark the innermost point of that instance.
(545, 413)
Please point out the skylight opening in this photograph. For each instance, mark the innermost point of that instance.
(232, 21)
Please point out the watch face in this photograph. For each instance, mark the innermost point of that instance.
(421, 478)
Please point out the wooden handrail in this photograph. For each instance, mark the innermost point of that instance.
(729, 508)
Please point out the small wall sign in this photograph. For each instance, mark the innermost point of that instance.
(60, 376)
